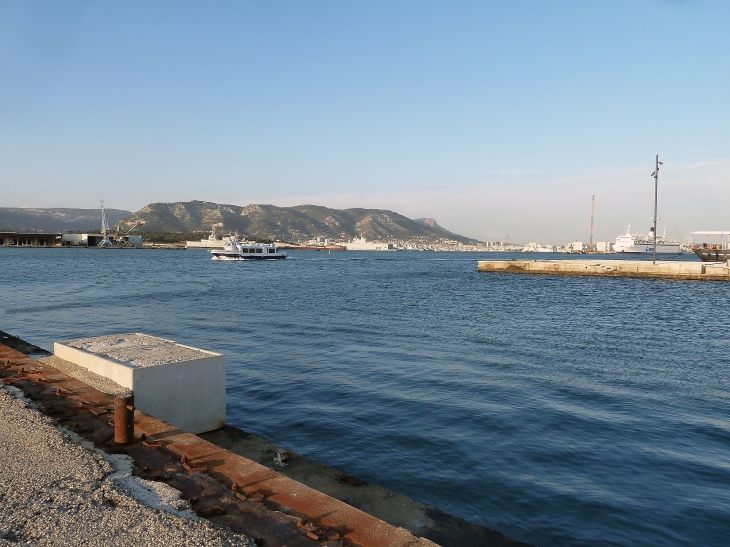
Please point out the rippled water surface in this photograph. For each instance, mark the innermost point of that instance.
(559, 410)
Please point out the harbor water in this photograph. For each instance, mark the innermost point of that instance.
(558, 410)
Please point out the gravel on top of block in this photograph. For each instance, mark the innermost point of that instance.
(54, 491)
(138, 350)
(105, 385)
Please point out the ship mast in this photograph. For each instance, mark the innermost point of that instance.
(593, 208)
(655, 174)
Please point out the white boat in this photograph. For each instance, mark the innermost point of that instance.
(638, 243)
(362, 244)
(537, 248)
(246, 250)
(211, 242)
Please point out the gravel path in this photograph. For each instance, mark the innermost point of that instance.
(54, 491)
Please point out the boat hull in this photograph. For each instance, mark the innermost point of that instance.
(218, 244)
(251, 257)
(713, 255)
(648, 249)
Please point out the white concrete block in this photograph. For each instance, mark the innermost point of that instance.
(182, 385)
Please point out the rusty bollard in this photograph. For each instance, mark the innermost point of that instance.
(124, 419)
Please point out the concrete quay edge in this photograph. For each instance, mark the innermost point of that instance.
(362, 529)
(70, 401)
(674, 270)
(254, 478)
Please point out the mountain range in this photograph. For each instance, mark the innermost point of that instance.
(299, 223)
(59, 219)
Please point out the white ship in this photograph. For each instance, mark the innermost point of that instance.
(638, 243)
(537, 248)
(362, 244)
(246, 250)
(212, 242)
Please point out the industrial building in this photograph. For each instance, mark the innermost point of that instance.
(93, 240)
(29, 239)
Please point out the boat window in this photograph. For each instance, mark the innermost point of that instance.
(272, 250)
(259, 250)
(244, 250)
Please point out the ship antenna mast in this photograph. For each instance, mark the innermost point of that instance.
(593, 208)
(655, 174)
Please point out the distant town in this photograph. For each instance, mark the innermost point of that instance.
(362, 244)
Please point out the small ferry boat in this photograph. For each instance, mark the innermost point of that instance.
(246, 250)
(638, 243)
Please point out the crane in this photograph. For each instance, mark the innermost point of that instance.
(105, 241)
(686, 240)
(119, 237)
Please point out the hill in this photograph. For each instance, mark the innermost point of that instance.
(17, 218)
(299, 223)
(431, 222)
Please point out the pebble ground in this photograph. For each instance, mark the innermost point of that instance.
(54, 491)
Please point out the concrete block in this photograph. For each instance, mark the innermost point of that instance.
(181, 385)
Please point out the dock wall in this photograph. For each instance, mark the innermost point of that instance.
(702, 271)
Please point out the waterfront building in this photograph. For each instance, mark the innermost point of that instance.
(27, 238)
(93, 240)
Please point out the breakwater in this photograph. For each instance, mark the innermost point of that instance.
(700, 271)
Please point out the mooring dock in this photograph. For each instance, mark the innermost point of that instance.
(702, 271)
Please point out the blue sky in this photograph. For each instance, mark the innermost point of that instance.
(495, 118)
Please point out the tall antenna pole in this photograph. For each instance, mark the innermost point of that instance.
(656, 193)
(593, 208)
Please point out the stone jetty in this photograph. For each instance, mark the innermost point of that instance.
(701, 271)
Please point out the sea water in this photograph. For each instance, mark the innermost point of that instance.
(558, 410)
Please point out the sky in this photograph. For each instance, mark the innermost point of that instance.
(499, 119)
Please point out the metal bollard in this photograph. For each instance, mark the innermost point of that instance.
(124, 420)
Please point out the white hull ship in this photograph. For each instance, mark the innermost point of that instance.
(362, 244)
(643, 244)
(212, 242)
(236, 250)
(537, 248)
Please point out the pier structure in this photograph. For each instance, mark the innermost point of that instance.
(700, 271)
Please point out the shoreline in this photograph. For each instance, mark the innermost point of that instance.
(273, 504)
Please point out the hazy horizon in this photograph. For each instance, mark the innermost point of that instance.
(493, 119)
